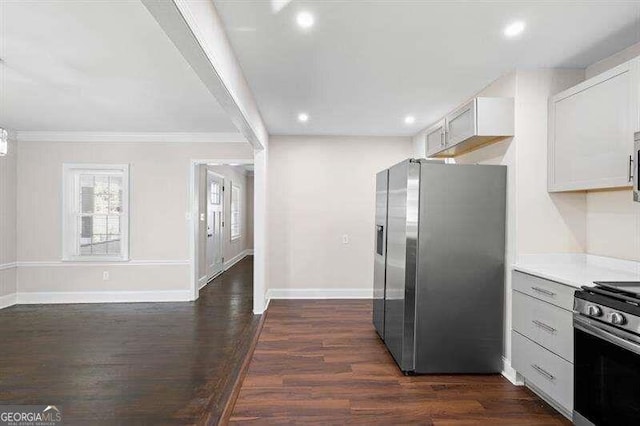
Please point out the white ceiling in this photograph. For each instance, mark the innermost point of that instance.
(96, 65)
(367, 64)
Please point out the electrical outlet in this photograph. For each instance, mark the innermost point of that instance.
(105, 276)
(345, 239)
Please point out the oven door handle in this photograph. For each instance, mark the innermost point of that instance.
(608, 333)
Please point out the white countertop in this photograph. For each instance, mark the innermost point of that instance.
(577, 270)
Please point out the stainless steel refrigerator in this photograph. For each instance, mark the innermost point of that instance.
(439, 266)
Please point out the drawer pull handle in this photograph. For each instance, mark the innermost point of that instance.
(544, 326)
(544, 372)
(543, 291)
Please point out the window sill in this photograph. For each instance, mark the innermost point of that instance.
(237, 237)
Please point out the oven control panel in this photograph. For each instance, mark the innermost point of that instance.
(608, 315)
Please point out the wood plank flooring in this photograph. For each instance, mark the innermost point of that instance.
(321, 362)
(131, 363)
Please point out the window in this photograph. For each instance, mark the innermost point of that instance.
(96, 212)
(235, 212)
(214, 196)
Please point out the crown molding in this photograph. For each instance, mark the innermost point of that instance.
(130, 137)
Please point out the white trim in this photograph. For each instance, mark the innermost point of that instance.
(249, 252)
(320, 293)
(8, 300)
(131, 137)
(204, 280)
(510, 373)
(104, 297)
(10, 265)
(58, 263)
(229, 263)
(266, 305)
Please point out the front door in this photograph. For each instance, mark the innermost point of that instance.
(215, 224)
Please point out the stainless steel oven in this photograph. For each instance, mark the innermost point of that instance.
(634, 167)
(607, 355)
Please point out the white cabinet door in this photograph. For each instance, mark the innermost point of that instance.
(434, 138)
(461, 124)
(591, 130)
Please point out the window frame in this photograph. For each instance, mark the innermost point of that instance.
(70, 174)
(235, 189)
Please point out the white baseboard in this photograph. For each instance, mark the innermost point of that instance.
(8, 300)
(510, 373)
(229, 263)
(202, 282)
(104, 297)
(319, 293)
(249, 252)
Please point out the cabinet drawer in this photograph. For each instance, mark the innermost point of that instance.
(549, 291)
(545, 324)
(543, 369)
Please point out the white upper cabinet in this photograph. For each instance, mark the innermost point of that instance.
(434, 138)
(591, 129)
(461, 124)
(480, 121)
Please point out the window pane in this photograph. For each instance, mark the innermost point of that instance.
(100, 235)
(86, 194)
(101, 190)
(115, 194)
(214, 197)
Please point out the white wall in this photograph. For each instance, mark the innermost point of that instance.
(613, 219)
(8, 182)
(319, 189)
(159, 208)
(546, 223)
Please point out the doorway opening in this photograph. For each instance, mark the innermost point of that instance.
(223, 229)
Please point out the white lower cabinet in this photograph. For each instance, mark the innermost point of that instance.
(542, 338)
(546, 371)
(548, 325)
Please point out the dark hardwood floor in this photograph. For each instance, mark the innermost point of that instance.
(135, 363)
(321, 362)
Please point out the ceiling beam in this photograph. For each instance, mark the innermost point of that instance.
(196, 30)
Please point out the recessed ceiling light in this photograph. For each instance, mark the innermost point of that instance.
(305, 20)
(303, 117)
(409, 119)
(514, 29)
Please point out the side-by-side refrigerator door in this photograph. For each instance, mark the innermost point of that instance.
(399, 308)
(380, 252)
